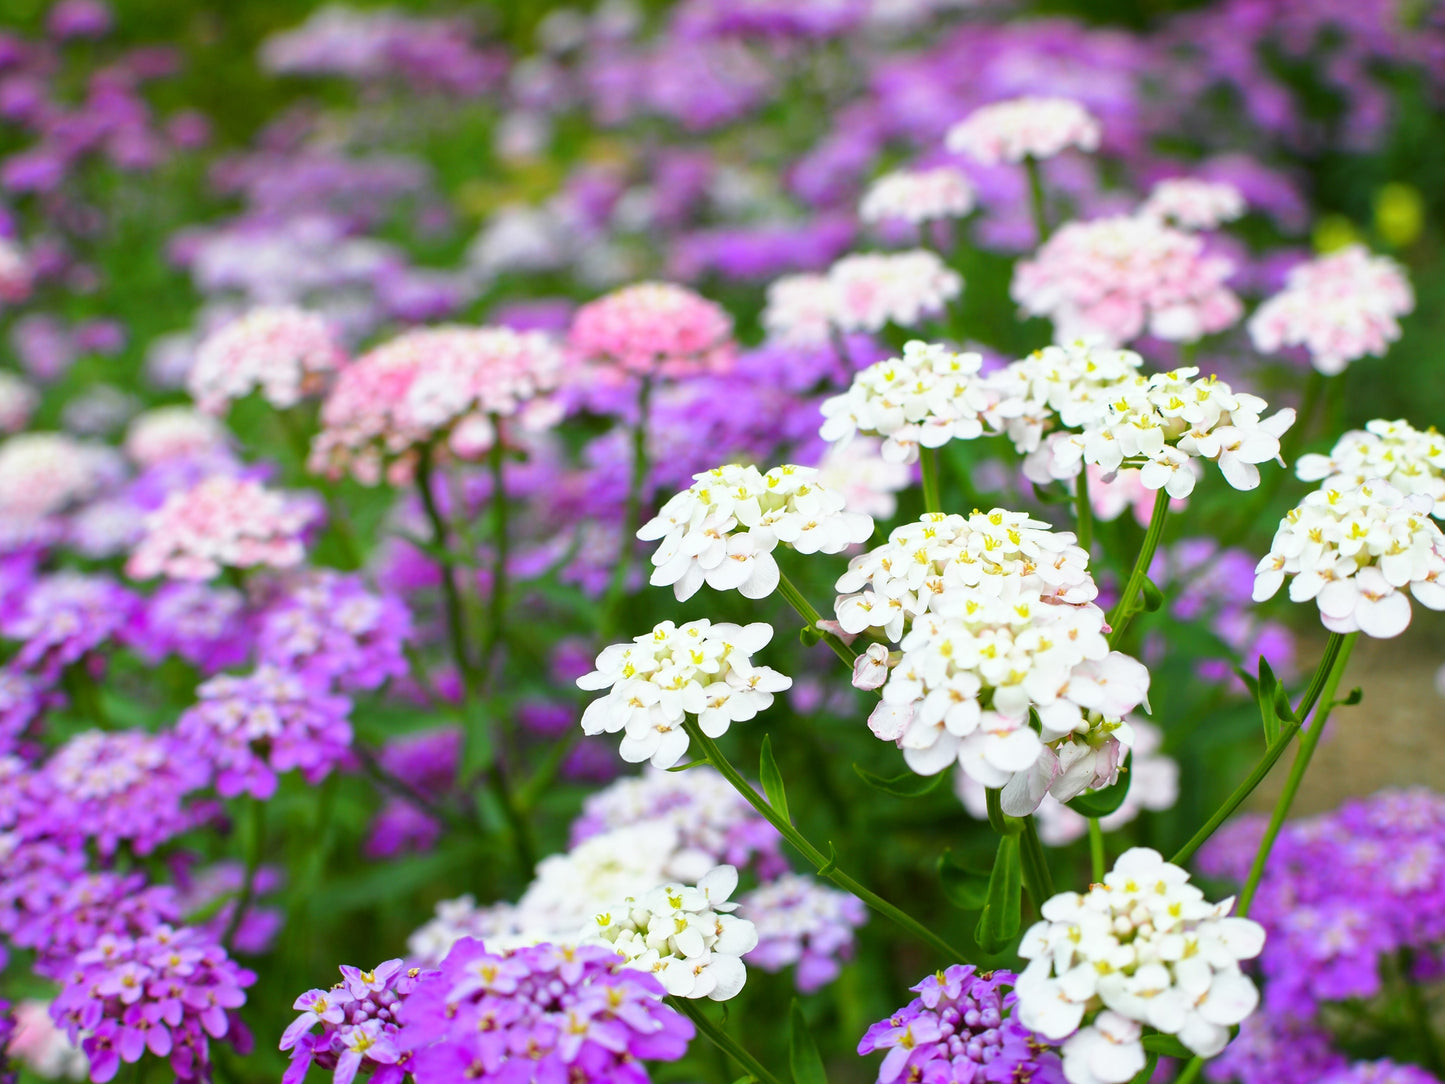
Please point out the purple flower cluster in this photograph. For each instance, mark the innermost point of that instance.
(358, 1019)
(63, 617)
(542, 1013)
(203, 624)
(168, 991)
(329, 626)
(249, 729)
(802, 922)
(959, 1030)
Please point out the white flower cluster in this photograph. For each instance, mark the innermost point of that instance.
(1143, 949)
(1395, 452)
(991, 552)
(871, 289)
(1193, 203)
(1029, 127)
(1161, 424)
(687, 937)
(700, 669)
(799, 310)
(973, 674)
(925, 398)
(723, 529)
(1360, 554)
(918, 196)
(1058, 386)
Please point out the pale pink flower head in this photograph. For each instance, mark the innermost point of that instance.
(1022, 128)
(18, 401)
(221, 523)
(17, 277)
(1112, 279)
(872, 289)
(44, 473)
(172, 432)
(448, 383)
(283, 352)
(799, 310)
(1193, 203)
(1339, 307)
(918, 196)
(653, 329)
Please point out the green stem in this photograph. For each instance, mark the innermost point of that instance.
(85, 693)
(257, 846)
(1083, 510)
(811, 617)
(1036, 873)
(993, 796)
(826, 865)
(451, 597)
(1190, 1073)
(497, 601)
(1271, 755)
(632, 516)
(1146, 1074)
(1036, 198)
(1307, 744)
(1098, 862)
(928, 465)
(1418, 1012)
(722, 1040)
(1123, 611)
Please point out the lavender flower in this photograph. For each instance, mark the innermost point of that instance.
(802, 922)
(203, 624)
(359, 1024)
(330, 626)
(65, 616)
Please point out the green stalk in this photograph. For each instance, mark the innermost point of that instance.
(256, 847)
(1036, 198)
(826, 865)
(811, 617)
(497, 602)
(1297, 771)
(1037, 878)
(722, 1040)
(632, 516)
(993, 796)
(1083, 510)
(1098, 862)
(1123, 611)
(1272, 753)
(451, 596)
(928, 465)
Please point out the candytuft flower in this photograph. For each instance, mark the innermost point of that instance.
(723, 529)
(1410, 460)
(873, 289)
(800, 921)
(283, 352)
(1192, 203)
(359, 1025)
(653, 329)
(703, 669)
(172, 432)
(918, 196)
(1027, 127)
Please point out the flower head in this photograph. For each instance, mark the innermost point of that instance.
(64, 617)
(1339, 307)
(330, 626)
(799, 310)
(1194, 204)
(703, 669)
(45, 473)
(172, 432)
(358, 1018)
(18, 402)
(802, 922)
(918, 196)
(653, 329)
(1410, 460)
(1020, 128)
(283, 352)
(873, 289)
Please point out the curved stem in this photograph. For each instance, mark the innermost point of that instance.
(1123, 611)
(811, 617)
(497, 600)
(257, 845)
(928, 467)
(722, 1040)
(451, 597)
(1190, 1073)
(632, 515)
(1083, 510)
(1098, 861)
(1271, 755)
(1297, 771)
(993, 796)
(1036, 198)
(826, 865)
(1037, 878)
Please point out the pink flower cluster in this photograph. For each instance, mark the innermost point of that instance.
(453, 382)
(282, 351)
(918, 196)
(172, 432)
(1029, 127)
(1193, 203)
(871, 289)
(1114, 278)
(223, 523)
(1339, 307)
(653, 329)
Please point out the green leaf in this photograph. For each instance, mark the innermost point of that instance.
(908, 785)
(832, 863)
(1100, 803)
(1167, 1046)
(999, 923)
(1274, 705)
(803, 1057)
(1356, 695)
(810, 635)
(966, 889)
(1153, 597)
(690, 764)
(772, 780)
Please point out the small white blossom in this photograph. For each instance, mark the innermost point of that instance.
(1194, 204)
(687, 937)
(995, 551)
(1143, 949)
(1395, 452)
(918, 196)
(723, 529)
(1361, 554)
(702, 669)
(1057, 387)
(925, 398)
(867, 481)
(1029, 127)
(799, 310)
(872, 289)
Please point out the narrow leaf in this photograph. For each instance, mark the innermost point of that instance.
(810, 635)
(1100, 803)
(690, 764)
(1167, 1046)
(773, 779)
(966, 889)
(908, 785)
(1356, 695)
(803, 1057)
(999, 923)
(1153, 597)
(832, 863)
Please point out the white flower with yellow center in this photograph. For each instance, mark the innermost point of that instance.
(1411, 460)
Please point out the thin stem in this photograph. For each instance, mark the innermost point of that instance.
(399, 787)
(993, 796)
(1146, 1074)
(1083, 511)
(84, 692)
(257, 846)
(1036, 198)
(497, 601)
(1190, 1073)
(451, 597)
(632, 516)
(1123, 611)
(826, 865)
(1098, 861)
(1419, 1015)
(1297, 771)
(1271, 755)
(928, 466)
(1036, 873)
(722, 1040)
(811, 617)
